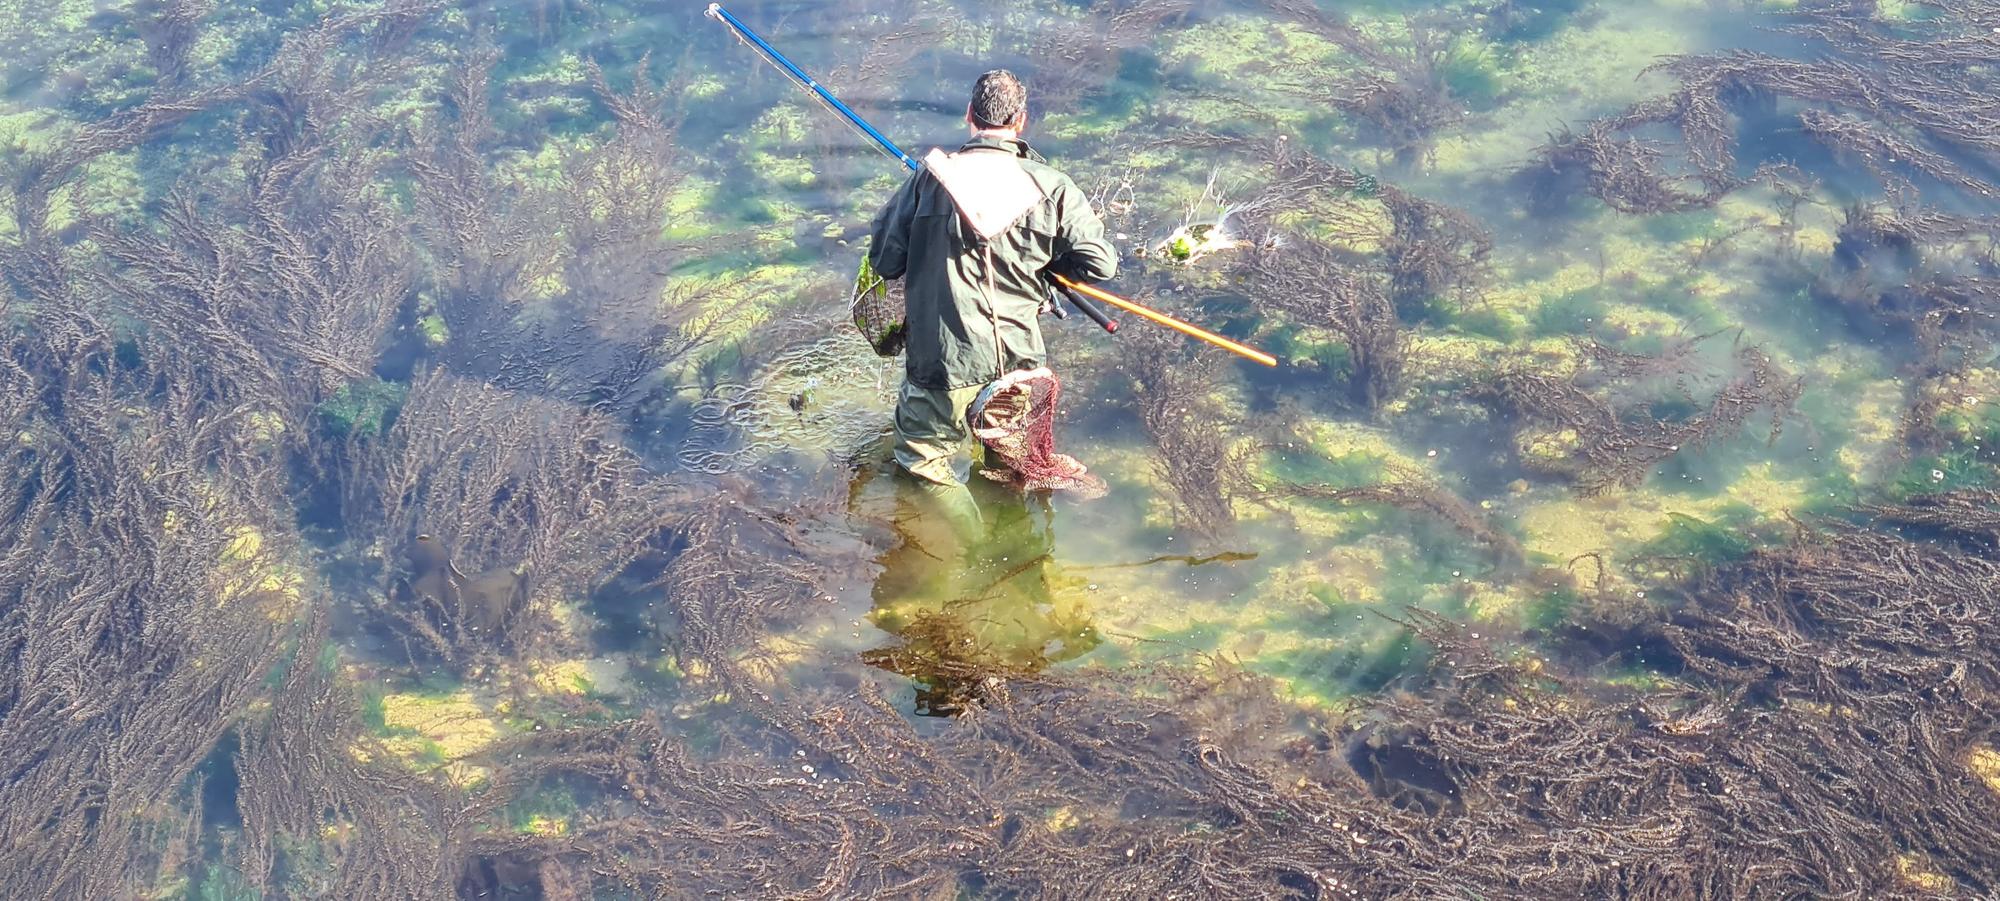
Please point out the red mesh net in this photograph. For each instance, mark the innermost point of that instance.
(1014, 417)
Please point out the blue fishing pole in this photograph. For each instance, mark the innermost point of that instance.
(1070, 289)
(743, 33)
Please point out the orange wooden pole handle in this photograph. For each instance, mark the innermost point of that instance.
(1193, 331)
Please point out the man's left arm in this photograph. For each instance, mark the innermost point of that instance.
(889, 235)
(1081, 252)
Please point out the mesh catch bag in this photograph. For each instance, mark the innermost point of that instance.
(1014, 417)
(877, 310)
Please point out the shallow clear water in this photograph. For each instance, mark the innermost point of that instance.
(768, 423)
(1308, 600)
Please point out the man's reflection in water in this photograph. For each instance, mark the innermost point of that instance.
(969, 603)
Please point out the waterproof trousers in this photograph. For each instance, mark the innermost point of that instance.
(930, 431)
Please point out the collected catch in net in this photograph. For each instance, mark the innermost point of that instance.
(877, 310)
(1014, 417)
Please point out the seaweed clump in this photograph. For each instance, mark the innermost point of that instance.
(1799, 746)
(1412, 493)
(1815, 734)
(1340, 252)
(1402, 96)
(1929, 278)
(325, 808)
(1820, 695)
(1903, 99)
(561, 286)
(1970, 516)
(1606, 425)
(1075, 60)
(1204, 470)
(144, 597)
(738, 572)
(1312, 284)
(485, 510)
(1634, 174)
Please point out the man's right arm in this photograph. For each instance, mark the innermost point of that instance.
(889, 237)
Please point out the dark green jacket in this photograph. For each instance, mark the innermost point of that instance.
(956, 337)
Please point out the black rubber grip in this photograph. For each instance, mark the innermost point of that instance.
(1091, 310)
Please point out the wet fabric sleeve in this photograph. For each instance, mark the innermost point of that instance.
(889, 236)
(1081, 252)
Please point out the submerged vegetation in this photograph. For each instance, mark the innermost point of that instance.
(434, 463)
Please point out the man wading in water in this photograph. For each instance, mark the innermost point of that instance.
(976, 234)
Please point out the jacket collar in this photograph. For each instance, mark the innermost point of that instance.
(1015, 146)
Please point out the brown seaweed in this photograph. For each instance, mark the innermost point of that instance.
(1928, 277)
(1429, 254)
(142, 604)
(564, 289)
(1599, 440)
(487, 508)
(1311, 284)
(178, 703)
(1400, 94)
(1917, 99)
(1072, 62)
(1172, 387)
(1971, 515)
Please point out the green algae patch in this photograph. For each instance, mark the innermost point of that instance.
(1918, 873)
(1940, 473)
(785, 172)
(1228, 48)
(1967, 406)
(548, 810)
(1706, 542)
(1487, 602)
(1353, 441)
(439, 731)
(1769, 489)
(1474, 72)
(1326, 672)
(364, 408)
(435, 332)
(1333, 580)
(1625, 320)
(688, 209)
(1546, 448)
(263, 427)
(1984, 762)
(1906, 11)
(250, 574)
(1873, 419)
(1570, 528)
(32, 131)
(584, 677)
(1315, 609)
(1671, 527)
(1573, 75)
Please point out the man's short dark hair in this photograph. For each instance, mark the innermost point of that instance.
(999, 100)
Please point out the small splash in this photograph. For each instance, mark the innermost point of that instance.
(1208, 228)
(1192, 241)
